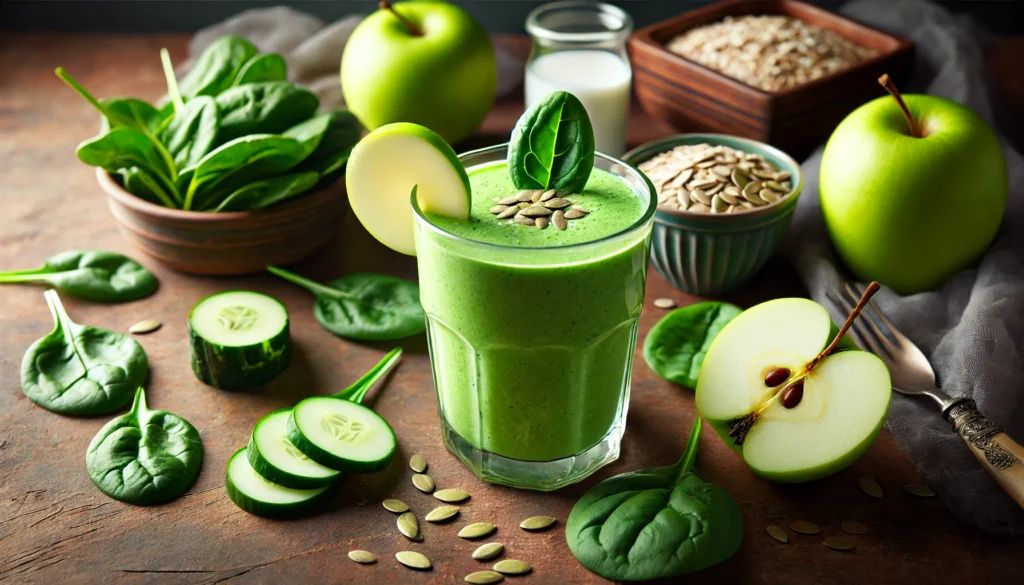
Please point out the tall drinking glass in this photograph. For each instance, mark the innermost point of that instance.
(532, 348)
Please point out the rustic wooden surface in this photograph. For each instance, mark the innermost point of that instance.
(56, 527)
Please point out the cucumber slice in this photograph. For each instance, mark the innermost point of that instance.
(274, 457)
(251, 492)
(239, 339)
(342, 434)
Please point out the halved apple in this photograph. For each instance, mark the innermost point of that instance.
(382, 171)
(795, 408)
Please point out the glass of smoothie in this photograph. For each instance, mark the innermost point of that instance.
(532, 331)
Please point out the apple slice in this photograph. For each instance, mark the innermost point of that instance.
(384, 168)
(818, 414)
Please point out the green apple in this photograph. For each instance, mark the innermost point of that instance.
(428, 63)
(384, 169)
(775, 388)
(911, 207)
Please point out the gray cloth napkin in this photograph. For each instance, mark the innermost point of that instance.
(972, 328)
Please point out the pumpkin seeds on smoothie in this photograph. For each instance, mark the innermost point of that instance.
(512, 567)
(535, 523)
(488, 551)
(396, 506)
(539, 208)
(423, 483)
(804, 527)
(413, 560)
(541, 222)
(560, 220)
(362, 557)
(477, 530)
(483, 577)
(409, 526)
(451, 495)
(778, 533)
(144, 326)
(441, 513)
(418, 463)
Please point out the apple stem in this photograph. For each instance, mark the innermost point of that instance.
(864, 298)
(890, 87)
(412, 28)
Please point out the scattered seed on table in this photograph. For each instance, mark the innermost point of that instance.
(144, 327)
(839, 543)
(362, 557)
(409, 526)
(537, 523)
(512, 567)
(664, 303)
(451, 495)
(921, 491)
(853, 527)
(423, 483)
(870, 487)
(477, 530)
(418, 463)
(804, 527)
(396, 506)
(413, 560)
(483, 577)
(778, 533)
(488, 551)
(441, 513)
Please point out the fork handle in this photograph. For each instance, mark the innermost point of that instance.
(1001, 456)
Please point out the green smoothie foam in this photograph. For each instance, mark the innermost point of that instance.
(532, 348)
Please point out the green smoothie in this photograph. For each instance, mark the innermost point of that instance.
(532, 332)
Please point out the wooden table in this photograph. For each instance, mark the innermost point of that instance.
(56, 527)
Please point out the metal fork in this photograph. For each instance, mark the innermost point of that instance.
(912, 374)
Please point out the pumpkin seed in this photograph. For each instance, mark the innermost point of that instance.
(509, 212)
(409, 526)
(739, 178)
(451, 495)
(488, 551)
(535, 198)
(413, 560)
(523, 220)
(839, 543)
(870, 487)
(921, 491)
(774, 186)
(423, 483)
(418, 463)
(441, 513)
(769, 195)
(541, 222)
(714, 189)
(718, 205)
(396, 506)
(853, 527)
(512, 567)
(483, 577)
(498, 209)
(781, 175)
(536, 211)
(804, 527)
(664, 303)
(537, 523)
(524, 205)
(700, 196)
(477, 530)
(559, 219)
(581, 210)
(730, 197)
(574, 214)
(778, 533)
(525, 196)
(548, 195)
(144, 326)
(721, 170)
(557, 203)
(362, 557)
(513, 200)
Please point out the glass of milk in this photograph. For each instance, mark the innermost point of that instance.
(580, 47)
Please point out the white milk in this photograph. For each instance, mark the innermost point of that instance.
(600, 79)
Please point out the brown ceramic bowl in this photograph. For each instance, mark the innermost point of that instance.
(694, 98)
(242, 242)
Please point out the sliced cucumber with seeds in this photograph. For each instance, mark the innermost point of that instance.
(239, 339)
(251, 492)
(274, 457)
(342, 434)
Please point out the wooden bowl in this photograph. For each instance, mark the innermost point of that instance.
(692, 97)
(242, 242)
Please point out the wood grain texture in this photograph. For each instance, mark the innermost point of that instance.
(56, 527)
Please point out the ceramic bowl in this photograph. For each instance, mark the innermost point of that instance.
(242, 242)
(708, 254)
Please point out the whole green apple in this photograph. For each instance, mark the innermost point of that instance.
(428, 63)
(911, 196)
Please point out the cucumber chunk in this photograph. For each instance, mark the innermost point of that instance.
(342, 435)
(274, 457)
(251, 492)
(239, 339)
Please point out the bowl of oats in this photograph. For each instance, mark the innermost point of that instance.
(724, 206)
(780, 71)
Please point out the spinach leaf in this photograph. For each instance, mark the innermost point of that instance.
(91, 274)
(676, 345)
(269, 192)
(269, 107)
(128, 147)
(217, 67)
(552, 145)
(145, 456)
(81, 370)
(266, 67)
(142, 184)
(238, 163)
(335, 145)
(653, 523)
(368, 307)
(310, 132)
(192, 131)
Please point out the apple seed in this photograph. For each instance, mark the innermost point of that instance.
(792, 395)
(776, 377)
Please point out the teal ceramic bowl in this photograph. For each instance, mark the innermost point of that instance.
(707, 254)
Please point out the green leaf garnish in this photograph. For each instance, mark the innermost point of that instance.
(552, 145)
